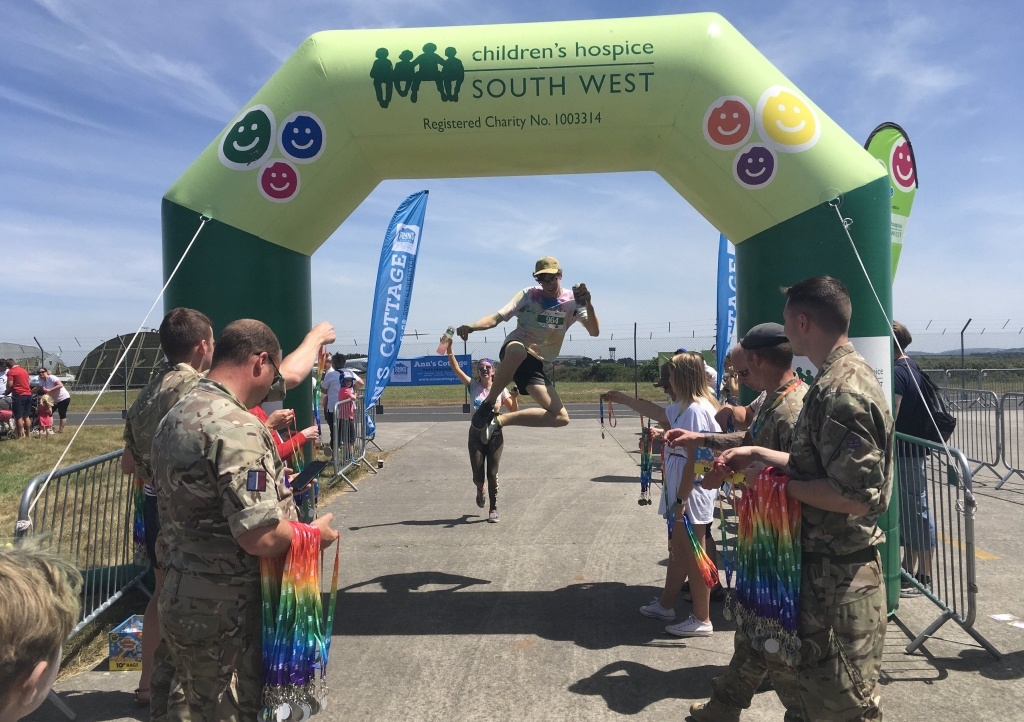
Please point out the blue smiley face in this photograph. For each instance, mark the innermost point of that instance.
(302, 137)
(754, 166)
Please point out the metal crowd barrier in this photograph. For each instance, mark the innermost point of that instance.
(349, 439)
(1011, 412)
(963, 378)
(86, 514)
(977, 432)
(1002, 380)
(937, 533)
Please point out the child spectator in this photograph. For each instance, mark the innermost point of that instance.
(38, 609)
(45, 413)
(347, 412)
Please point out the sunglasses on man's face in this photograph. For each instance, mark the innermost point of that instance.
(743, 374)
(546, 277)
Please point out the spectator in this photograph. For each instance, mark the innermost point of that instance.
(54, 387)
(210, 607)
(38, 609)
(331, 385)
(282, 419)
(44, 411)
(21, 398)
(3, 377)
(484, 457)
(917, 527)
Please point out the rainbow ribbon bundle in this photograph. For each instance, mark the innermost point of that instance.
(296, 635)
(139, 519)
(767, 603)
(646, 465)
(708, 570)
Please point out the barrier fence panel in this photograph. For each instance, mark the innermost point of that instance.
(86, 514)
(936, 375)
(1002, 380)
(963, 378)
(1011, 412)
(348, 438)
(937, 533)
(977, 427)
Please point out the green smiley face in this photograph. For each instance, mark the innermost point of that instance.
(248, 141)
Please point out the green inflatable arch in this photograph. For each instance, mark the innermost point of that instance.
(685, 96)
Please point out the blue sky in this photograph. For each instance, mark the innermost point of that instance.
(105, 104)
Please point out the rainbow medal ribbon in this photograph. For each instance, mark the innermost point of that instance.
(296, 635)
(139, 520)
(600, 412)
(707, 568)
(646, 464)
(768, 566)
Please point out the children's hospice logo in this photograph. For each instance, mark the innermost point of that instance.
(411, 72)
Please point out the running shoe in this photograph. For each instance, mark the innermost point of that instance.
(482, 416)
(493, 516)
(655, 610)
(691, 627)
(493, 427)
(480, 496)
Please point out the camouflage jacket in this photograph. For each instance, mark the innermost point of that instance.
(773, 425)
(218, 476)
(162, 392)
(844, 434)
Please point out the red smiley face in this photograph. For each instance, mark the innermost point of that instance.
(279, 181)
(901, 162)
(727, 122)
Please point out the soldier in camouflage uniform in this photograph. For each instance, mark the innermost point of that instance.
(763, 362)
(840, 469)
(186, 338)
(224, 504)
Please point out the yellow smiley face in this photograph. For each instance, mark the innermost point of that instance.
(786, 121)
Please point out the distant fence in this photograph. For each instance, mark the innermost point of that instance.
(937, 533)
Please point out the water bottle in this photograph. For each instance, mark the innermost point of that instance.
(448, 336)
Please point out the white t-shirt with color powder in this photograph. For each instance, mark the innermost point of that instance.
(543, 321)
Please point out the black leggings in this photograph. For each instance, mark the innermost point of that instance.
(486, 455)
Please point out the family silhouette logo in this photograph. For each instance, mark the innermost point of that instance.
(410, 72)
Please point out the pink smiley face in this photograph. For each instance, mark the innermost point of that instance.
(727, 122)
(279, 181)
(901, 162)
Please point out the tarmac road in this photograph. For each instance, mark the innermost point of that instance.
(443, 616)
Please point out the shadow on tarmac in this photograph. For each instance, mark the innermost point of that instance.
(601, 615)
(629, 687)
(443, 523)
(93, 706)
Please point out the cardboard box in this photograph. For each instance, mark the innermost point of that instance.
(126, 645)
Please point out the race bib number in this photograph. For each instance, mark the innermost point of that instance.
(550, 320)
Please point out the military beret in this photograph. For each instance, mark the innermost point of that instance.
(764, 335)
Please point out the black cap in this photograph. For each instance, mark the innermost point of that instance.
(764, 335)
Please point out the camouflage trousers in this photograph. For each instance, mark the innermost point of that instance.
(747, 669)
(842, 633)
(213, 636)
(166, 697)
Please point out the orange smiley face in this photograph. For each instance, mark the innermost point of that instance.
(786, 121)
(728, 122)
